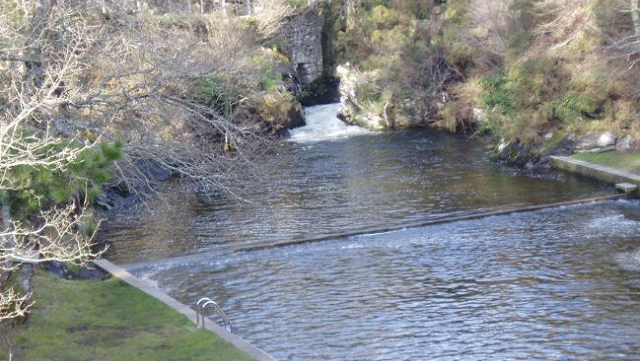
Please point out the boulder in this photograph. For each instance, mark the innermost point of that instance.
(351, 112)
(606, 139)
(153, 170)
(24, 277)
(479, 114)
(290, 80)
(593, 143)
(513, 153)
(625, 144)
(57, 268)
(92, 273)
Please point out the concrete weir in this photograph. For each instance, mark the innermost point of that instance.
(623, 180)
(260, 245)
(211, 326)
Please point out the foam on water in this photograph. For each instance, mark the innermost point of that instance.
(323, 124)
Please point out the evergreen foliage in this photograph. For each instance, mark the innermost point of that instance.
(31, 188)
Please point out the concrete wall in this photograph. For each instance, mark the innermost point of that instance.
(602, 173)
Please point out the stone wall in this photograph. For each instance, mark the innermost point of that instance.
(303, 44)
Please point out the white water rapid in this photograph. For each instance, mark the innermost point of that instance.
(323, 124)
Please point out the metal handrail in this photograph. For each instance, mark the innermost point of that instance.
(202, 304)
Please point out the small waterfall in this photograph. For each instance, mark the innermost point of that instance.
(323, 124)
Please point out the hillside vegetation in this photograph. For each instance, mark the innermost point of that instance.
(534, 73)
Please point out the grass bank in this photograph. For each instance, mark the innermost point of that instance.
(629, 162)
(109, 320)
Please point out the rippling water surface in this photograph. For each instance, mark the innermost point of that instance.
(336, 179)
(557, 284)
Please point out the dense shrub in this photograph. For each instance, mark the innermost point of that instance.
(280, 110)
(268, 77)
(217, 93)
(36, 187)
(495, 94)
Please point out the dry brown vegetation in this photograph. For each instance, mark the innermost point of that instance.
(93, 91)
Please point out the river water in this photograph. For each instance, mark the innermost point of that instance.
(556, 284)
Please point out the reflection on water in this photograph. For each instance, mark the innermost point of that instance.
(546, 285)
(356, 181)
(558, 284)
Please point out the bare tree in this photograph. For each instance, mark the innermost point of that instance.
(75, 72)
(34, 95)
(635, 16)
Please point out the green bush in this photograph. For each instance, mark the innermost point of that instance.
(575, 105)
(297, 3)
(268, 77)
(38, 187)
(537, 81)
(279, 109)
(217, 93)
(496, 95)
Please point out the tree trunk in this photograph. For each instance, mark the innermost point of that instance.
(6, 242)
(635, 16)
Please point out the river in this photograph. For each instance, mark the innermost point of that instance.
(556, 284)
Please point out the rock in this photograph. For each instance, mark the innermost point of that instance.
(479, 114)
(592, 143)
(586, 142)
(153, 170)
(351, 112)
(394, 116)
(25, 276)
(625, 144)
(103, 201)
(513, 153)
(92, 273)
(442, 101)
(565, 147)
(606, 139)
(609, 148)
(290, 80)
(503, 145)
(296, 118)
(57, 268)
(351, 115)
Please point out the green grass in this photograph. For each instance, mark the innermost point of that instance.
(109, 320)
(629, 162)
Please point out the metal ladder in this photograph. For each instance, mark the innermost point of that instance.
(205, 302)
